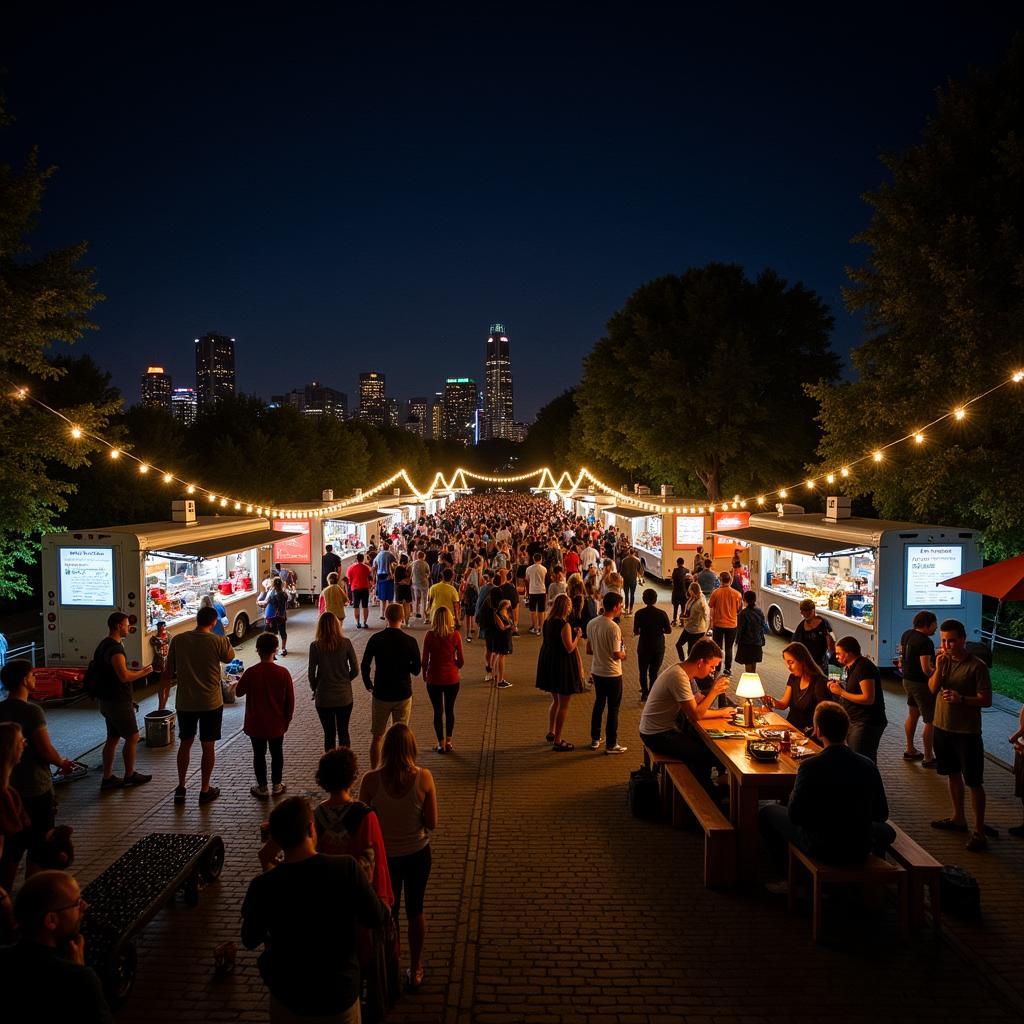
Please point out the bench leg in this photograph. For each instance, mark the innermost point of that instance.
(902, 885)
(816, 909)
(719, 859)
(647, 758)
(936, 905)
(791, 894)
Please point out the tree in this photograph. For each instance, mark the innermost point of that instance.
(700, 380)
(942, 295)
(44, 301)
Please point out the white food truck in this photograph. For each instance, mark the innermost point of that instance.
(867, 577)
(153, 572)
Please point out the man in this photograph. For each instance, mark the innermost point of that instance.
(588, 557)
(725, 604)
(917, 663)
(420, 571)
(604, 642)
(961, 683)
(117, 704)
(861, 696)
(837, 811)
(536, 588)
(707, 579)
(45, 977)
(675, 704)
(305, 912)
(444, 595)
(651, 626)
(31, 777)
(384, 567)
(333, 597)
(329, 562)
(571, 561)
(630, 568)
(396, 659)
(358, 577)
(194, 662)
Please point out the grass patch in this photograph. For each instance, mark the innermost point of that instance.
(1008, 672)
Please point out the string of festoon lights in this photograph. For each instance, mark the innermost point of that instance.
(563, 486)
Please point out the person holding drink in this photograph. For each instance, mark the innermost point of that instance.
(806, 688)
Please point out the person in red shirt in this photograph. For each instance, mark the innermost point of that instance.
(571, 561)
(358, 577)
(442, 659)
(269, 706)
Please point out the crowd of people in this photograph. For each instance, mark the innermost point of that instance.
(459, 577)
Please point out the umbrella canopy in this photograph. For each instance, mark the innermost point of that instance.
(1004, 580)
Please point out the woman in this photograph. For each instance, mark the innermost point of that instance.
(696, 620)
(501, 646)
(750, 627)
(441, 661)
(275, 613)
(680, 581)
(558, 668)
(581, 611)
(208, 601)
(469, 594)
(404, 797)
(815, 634)
(403, 586)
(333, 598)
(806, 688)
(15, 824)
(332, 667)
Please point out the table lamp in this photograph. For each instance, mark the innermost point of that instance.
(749, 687)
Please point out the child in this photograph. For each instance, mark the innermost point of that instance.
(160, 641)
(1017, 739)
(502, 642)
(269, 705)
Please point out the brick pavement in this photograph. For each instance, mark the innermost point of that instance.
(549, 903)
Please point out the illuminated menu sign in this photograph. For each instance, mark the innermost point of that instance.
(730, 521)
(295, 549)
(927, 565)
(689, 532)
(87, 577)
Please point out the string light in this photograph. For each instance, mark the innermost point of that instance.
(810, 485)
(783, 493)
(143, 468)
(877, 456)
(845, 471)
(918, 438)
(830, 478)
(1018, 377)
(191, 489)
(115, 453)
(168, 478)
(960, 413)
(76, 432)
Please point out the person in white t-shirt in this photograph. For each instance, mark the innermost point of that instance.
(675, 703)
(536, 589)
(604, 642)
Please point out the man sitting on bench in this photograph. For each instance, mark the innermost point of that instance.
(837, 809)
(675, 701)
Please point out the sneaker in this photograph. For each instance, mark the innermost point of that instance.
(138, 779)
(617, 749)
(210, 795)
(112, 782)
(930, 762)
(469, 639)
(594, 744)
(504, 684)
(261, 791)
(279, 788)
(977, 843)
(284, 654)
(179, 794)
(488, 677)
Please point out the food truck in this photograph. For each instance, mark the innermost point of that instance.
(867, 577)
(153, 572)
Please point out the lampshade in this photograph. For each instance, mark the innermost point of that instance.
(749, 685)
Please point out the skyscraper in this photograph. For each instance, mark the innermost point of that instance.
(372, 406)
(183, 406)
(392, 412)
(417, 417)
(460, 405)
(316, 399)
(497, 416)
(437, 416)
(215, 370)
(156, 388)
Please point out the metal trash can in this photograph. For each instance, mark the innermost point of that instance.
(160, 728)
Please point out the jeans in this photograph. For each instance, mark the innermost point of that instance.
(688, 749)
(259, 759)
(607, 690)
(649, 663)
(335, 724)
(726, 639)
(864, 737)
(778, 832)
(442, 699)
(628, 594)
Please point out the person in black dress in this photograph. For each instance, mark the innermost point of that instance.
(558, 668)
(806, 688)
(403, 586)
(680, 581)
(815, 634)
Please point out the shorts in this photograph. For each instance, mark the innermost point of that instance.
(920, 697)
(536, 602)
(960, 753)
(120, 718)
(403, 593)
(396, 710)
(361, 598)
(385, 588)
(409, 875)
(206, 722)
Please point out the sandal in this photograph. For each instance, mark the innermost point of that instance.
(550, 738)
(949, 825)
(414, 979)
(914, 755)
(448, 748)
(562, 745)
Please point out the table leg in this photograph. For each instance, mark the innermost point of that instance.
(744, 819)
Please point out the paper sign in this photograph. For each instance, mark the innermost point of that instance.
(689, 532)
(87, 577)
(295, 549)
(926, 566)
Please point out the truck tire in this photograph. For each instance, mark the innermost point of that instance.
(119, 973)
(240, 628)
(212, 860)
(776, 623)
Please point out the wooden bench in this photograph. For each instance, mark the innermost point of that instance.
(874, 871)
(924, 872)
(657, 762)
(719, 835)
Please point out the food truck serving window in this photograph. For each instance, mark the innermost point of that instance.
(647, 534)
(927, 564)
(175, 585)
(840, 584)
(87, 577)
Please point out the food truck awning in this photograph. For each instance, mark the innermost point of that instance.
(217, 546)
(358, 518)
(626, 513)
(803, 545)
(389, 510)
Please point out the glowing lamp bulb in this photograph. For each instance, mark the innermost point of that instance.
(960, 413)
(223, 502)
(810, 485)
(919, 438)
(115, 453)
(783, 494)
(877, 456)
(844, 471)
(760, 499)
(143, 469)
(76, 432)
(1017, 377)
(191, 489)
(212, 497)
(238, 505)
(168, 478)
(831, 478)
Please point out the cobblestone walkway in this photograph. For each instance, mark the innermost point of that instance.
(549, 903)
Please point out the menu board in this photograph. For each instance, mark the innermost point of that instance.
(87, 577)
(689, 532)
(927, 565)
(730, 521)
(295, 549)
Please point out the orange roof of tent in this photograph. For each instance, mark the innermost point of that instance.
(1004, 580)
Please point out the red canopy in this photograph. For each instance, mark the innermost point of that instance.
(1004, 580)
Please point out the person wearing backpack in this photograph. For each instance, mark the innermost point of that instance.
(114, 681)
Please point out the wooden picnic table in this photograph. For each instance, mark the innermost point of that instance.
(750, 781)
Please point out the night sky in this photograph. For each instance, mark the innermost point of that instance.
(344, 195)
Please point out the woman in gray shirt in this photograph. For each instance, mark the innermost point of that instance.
(332, 667)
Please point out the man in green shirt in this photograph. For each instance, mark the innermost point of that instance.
(962, 686)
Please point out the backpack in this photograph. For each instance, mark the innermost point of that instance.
(97, 672)
(643, 795)
(960, 892)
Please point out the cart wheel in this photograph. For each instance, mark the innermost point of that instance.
(211, 863)
(775, 621)
(119, 976)
(191, 891)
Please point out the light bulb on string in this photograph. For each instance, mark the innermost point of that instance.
(223, 502)
(918, 438)
(168, 478)
(810, 485)
(143, 469)
(76, 432)
(960, 413)
(115, 453)
(783, 493)
(191, 489)
(211, 497)
(1017, 377)
(844, 471)
(760, 499)
(830, 478)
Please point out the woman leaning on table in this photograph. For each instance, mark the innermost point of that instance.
(806, 688)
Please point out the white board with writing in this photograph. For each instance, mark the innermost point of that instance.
(87, 577)
(927, 565)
